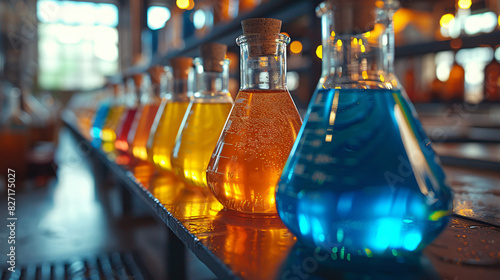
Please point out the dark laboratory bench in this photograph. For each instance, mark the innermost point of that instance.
(236, 247)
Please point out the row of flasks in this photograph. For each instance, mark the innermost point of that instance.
(359, 174)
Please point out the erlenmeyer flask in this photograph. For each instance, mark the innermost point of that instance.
(247, 162)
(39, 116)
(362, 176)
(150, 102)
(137, 85)
(14, 132)
(167, 122)
(100, 116)
(113, 117)
(491, 86)
(454, 87)
(205, 117)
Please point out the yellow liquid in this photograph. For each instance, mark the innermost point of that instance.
(164, 137)
(152, 130)
(108, 133)
(194, 147)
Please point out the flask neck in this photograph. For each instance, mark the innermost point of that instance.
(155, 90)
(15, 117)
(357, 55)
(181, 90)
(211, 83)
(161, 80)
(15, 103)
(148, 90)
(261, 68)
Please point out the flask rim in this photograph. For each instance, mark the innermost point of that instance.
(198, 61)
(259, 38)
(327, 6)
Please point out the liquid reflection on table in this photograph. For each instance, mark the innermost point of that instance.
(306, 263)
(143, 172)
(254, 247)
(194, 206)
(263, 248)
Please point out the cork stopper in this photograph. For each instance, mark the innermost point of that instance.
(116, 89)
(354, 17)
(181, 66)
(263, 26)
(137, 80)
(213, 56)
(156, 72)
(266, 29)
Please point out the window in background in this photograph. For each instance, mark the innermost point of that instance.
(157, 17)
(474, 60)
(77, 44)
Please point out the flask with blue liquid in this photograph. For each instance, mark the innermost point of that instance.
(362, 178)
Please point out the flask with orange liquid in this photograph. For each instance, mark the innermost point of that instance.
(150, 102)
(205, 116)
(454, 87)
(167, 122)
(492, 79)
(14, 134)
(252, 150)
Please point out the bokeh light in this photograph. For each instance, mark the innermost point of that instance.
(157, 17)
(446, 19)
(296, 47)
(182, 4)
(319, 51)
(464, 4)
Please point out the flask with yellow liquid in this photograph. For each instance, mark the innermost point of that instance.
(113, 117)
(205, 116)
(170, 114)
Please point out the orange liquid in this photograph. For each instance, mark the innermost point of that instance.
(139, 134)
(15, 145)
(164, 138)
(250, 155)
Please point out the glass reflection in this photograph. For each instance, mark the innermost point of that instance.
(307, 263)
(254, 247)
(187, 203)
(143, 172)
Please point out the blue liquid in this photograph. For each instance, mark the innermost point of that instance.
(362, 177)
(99, 120)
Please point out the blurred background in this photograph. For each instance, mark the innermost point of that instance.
(447, 54)
(51, 52)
